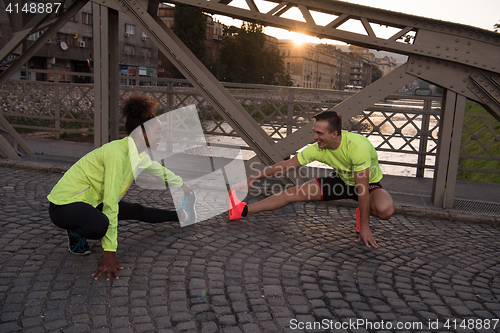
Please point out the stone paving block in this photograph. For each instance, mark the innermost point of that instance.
(209, 327)
(181, 317)
(205, 316)
(190, 325)
(227, 320)
(163, 322)
(249, 276)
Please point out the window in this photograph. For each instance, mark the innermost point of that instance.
(288, 66)
(129, 50)
(88, 42)
(68, 39)
(86, 18)
(34, 36)
(73, 19)
(146, 52)
(129, 29)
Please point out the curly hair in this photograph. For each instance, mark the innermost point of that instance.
(138, 109)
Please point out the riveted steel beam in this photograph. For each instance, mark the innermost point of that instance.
(446, 74)
(19, 36)
(11, 143)
(227, 106)
(106, 74)
(450, 135)
(487, 88)
(480, 86)
(441, 40)
(468, 50)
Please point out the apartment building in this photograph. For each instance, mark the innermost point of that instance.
(309, 67)
(386, 64)
(360, 73)
(71, 48)
(316, 66)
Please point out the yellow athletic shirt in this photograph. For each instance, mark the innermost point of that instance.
(355, 153)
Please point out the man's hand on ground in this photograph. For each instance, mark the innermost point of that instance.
(109, 264)
(365, 234)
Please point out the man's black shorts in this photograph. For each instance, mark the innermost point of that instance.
(334, 188)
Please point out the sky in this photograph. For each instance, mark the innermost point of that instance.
(479, 13)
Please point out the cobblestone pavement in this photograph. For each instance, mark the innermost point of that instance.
(294, 270)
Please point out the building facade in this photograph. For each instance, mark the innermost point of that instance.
(308, 66)
(361, 72)
(71, 48)
(139, 55)
(386, 64)
(319, 66)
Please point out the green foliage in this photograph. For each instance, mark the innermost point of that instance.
(474, 147)
(376, 73)
(190, 25)
(245, 58)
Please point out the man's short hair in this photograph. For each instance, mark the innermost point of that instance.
(333, 118)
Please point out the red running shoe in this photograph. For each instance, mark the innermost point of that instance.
(358, 220)
(235, 206)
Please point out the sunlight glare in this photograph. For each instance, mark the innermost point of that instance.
(299, 39)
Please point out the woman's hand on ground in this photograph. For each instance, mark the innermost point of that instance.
(109, 264)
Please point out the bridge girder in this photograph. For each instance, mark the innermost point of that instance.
(433, 38)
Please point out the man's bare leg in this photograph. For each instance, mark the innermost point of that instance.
(381, 204)
(308, 191)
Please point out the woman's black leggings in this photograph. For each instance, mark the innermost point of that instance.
(92, 223)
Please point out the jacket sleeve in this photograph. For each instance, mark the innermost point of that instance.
(113, 178)
(158, 171)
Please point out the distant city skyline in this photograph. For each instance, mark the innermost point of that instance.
(468, 13)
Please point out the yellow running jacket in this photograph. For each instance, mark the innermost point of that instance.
(103, 176)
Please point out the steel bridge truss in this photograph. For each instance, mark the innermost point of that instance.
(461, 59)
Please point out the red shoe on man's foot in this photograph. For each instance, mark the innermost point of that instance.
(235, 206)
(358, 220)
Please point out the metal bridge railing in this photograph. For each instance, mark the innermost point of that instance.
(404, 129)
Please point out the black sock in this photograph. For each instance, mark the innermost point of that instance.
(245, 211)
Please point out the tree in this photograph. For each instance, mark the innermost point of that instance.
(190, 25)
(496, 27)
(275, 71)
(245, 58)
(376, 73)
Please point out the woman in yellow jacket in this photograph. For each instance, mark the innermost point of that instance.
(86, 200)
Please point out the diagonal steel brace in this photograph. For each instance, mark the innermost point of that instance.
(227, 106)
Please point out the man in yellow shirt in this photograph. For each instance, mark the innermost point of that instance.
(356, 175)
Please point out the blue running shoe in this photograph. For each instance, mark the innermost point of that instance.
(187, 211)
(77, 244)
